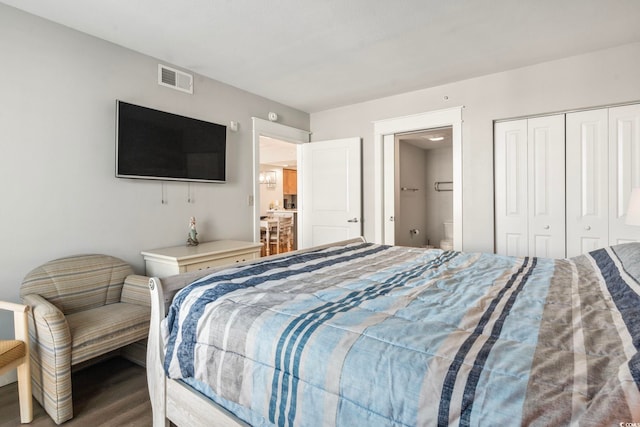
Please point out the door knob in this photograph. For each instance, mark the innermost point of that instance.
(391, 219)
(353, 220)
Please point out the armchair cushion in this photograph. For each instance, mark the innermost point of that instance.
(103, 329)
(79, 282)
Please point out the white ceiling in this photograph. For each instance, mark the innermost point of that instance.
(319, 54)
(278, 153)
(424, 139)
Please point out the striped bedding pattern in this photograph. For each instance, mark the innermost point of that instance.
(374, 335)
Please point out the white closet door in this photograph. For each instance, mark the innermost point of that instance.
(624, 170)
(587, 181)
(510, 153)
(546, 189)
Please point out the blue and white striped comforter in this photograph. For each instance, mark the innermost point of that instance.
(371, 335)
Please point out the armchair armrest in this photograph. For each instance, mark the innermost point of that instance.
(136, 290)
(49, 324)
(50, 357)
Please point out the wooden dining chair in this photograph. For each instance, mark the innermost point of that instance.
(264, 251)
(282, 238)
(14, 354)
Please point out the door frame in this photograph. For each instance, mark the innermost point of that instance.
(422, 121)
(279, 131)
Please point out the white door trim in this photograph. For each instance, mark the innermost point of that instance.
(279, 131)
(391, 205)
(447, 117)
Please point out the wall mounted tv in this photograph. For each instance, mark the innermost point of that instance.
(152, 144)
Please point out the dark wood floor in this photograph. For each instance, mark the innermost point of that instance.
(109, 393)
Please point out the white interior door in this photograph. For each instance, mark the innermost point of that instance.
(624, 170)
(331, 204)
(391, 204)
(587, 181)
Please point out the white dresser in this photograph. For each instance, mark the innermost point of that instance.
(165, 262)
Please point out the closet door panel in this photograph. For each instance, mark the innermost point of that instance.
(514, 244)
(546, 186)
(587, 147)
(511, 188)
(624, 170)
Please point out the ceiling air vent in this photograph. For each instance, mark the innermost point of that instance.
(171, 77)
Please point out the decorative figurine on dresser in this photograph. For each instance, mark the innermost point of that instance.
(192, 240)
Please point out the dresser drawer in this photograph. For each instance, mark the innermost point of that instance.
(220, 262)
(182, 259)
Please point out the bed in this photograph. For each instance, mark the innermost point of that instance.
(360, 334)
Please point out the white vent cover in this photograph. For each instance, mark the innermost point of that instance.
(178, 80)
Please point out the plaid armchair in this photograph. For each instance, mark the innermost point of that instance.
(81, 307)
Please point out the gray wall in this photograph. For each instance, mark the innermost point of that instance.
(412, 210)
(604, 77)
(425, 209)
(57, 113)
(439, 167)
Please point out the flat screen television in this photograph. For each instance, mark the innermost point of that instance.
(152, 144)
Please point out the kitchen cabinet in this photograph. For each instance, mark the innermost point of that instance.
(290, 181)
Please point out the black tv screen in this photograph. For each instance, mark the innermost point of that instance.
(152, 144)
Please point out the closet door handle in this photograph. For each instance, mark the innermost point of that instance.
(588, 227)
(353, 220)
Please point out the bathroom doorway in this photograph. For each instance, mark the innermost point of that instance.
(386, 174)
(423, 188)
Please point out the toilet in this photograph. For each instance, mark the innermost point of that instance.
(446, 244)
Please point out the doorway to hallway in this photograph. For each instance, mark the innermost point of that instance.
(278, 195)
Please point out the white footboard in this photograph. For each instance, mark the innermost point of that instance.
(173, 400)
(156, 379)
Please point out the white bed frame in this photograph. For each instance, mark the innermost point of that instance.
(173, 400)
